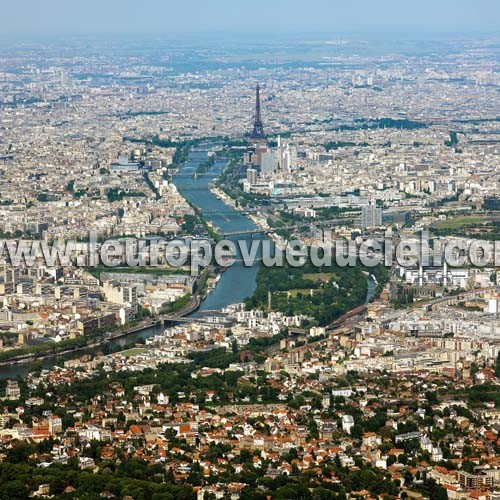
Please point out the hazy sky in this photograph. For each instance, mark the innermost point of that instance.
(177, 16)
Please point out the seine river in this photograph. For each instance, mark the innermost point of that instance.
(236, 283)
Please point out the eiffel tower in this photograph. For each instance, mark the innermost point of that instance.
(258, 129)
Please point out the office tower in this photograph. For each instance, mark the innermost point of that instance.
(268, 163)
(252, 176)
(371, 215)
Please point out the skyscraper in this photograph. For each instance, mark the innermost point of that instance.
(371, 215)
(252, 176)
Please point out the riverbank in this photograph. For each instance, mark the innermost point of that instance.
(29, 358)
(143, 325)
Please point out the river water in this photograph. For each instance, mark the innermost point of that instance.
(236, 283)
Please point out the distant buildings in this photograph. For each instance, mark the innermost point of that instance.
(124, 164)
(12, 391)
(371, 215)
(252, 176)
(277, 161)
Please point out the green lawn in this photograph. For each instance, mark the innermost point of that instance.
(460, 222)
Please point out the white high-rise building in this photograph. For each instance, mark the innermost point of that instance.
(371, 215)
(268, 163)
(279, 160)
(251, 176)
